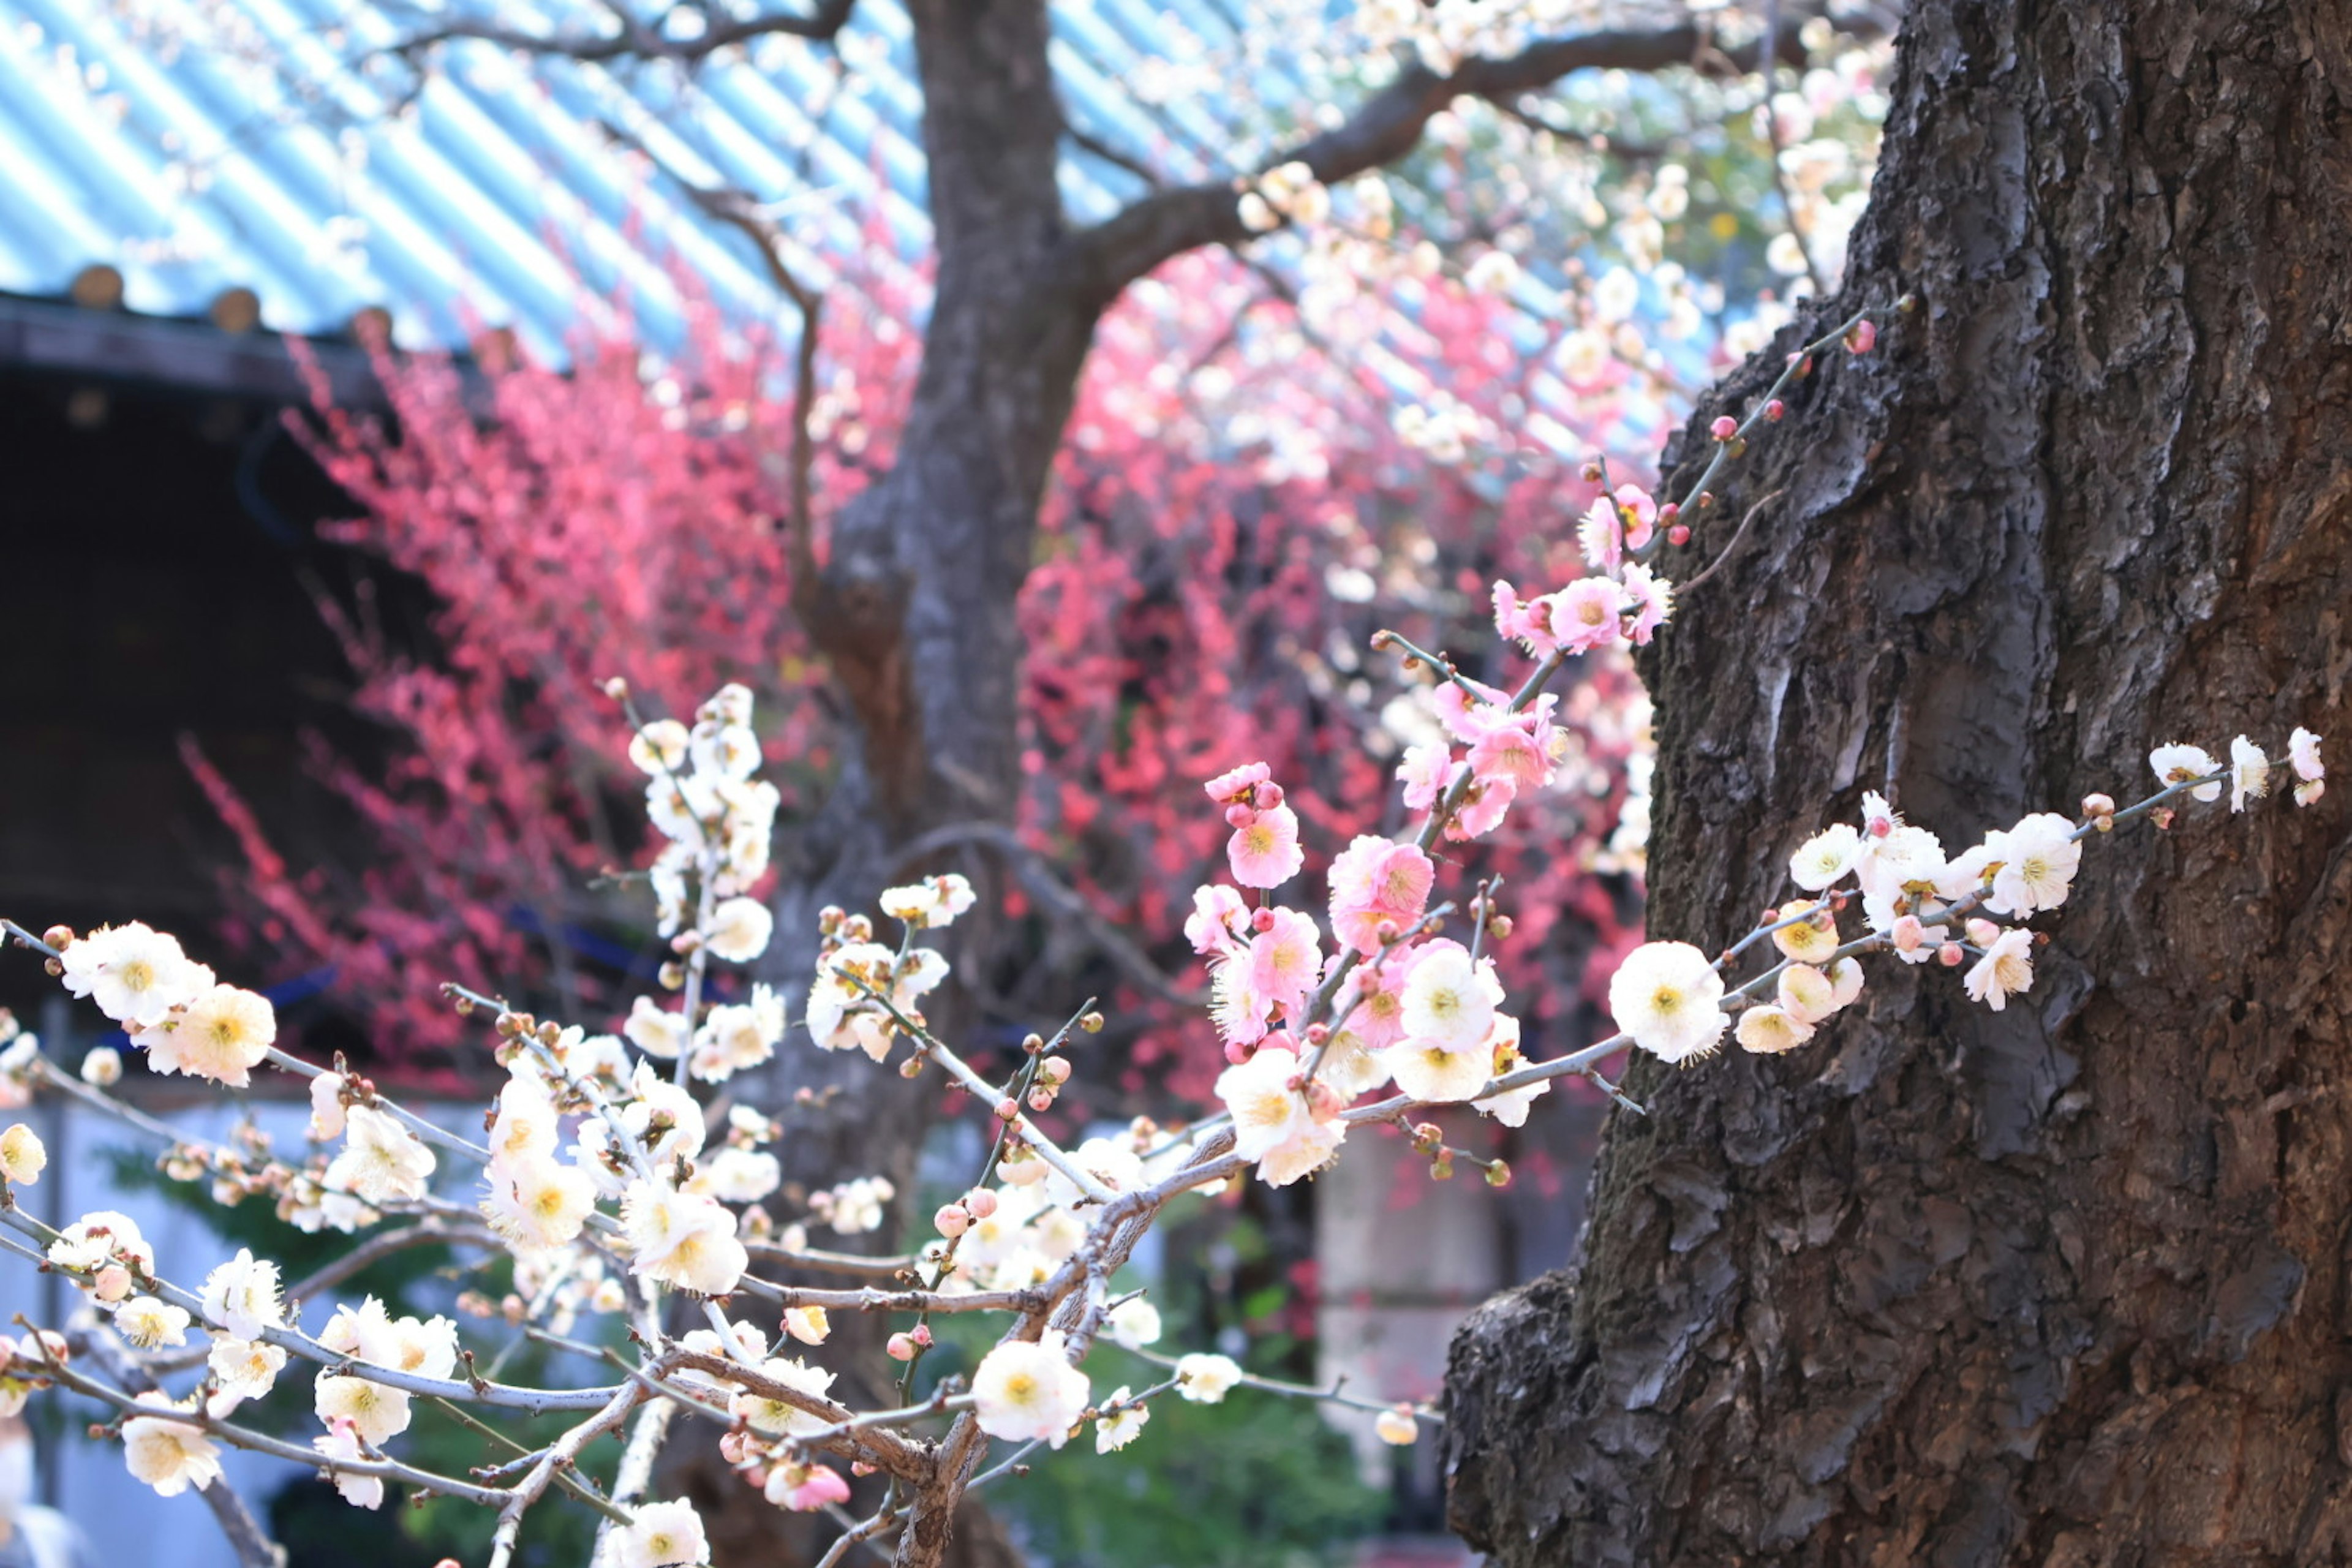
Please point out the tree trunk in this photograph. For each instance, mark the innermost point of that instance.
(915, 607)
(2067, 1284)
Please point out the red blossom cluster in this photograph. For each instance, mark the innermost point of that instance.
(1234, 516)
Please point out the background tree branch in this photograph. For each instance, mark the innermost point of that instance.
(1388, 125)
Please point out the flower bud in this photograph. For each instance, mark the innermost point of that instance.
(1238, 815)
(1054, 1070)
(1318, 1033)
(1775, 411)
(1678, 535)
(953, 1220)
(1863, 338)
(1909, 933)
(112, 1283)
(617, 689)
(1396, 1427)
(1236, 1052)
(911, 1068)
(672, 976)
(102, 1068)
(59, 937)
(1724, 428)
(1500, 927)
(1041, 1098)
(1268, 795)
(1092, 1023)
(1498, 1174)
(1983, 932)
(2098, 805)
(922, 1335)
(1592, 472)
(1950, 955)
(901, 1347)
(1006, 1111)
(982, 1202)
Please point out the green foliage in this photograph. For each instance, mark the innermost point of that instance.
(1258, 1481)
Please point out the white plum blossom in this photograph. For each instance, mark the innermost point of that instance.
(780, 1416)
(382, 1161)
(682, 1239)
(1823, 860)
(661, 1533)
(1768, 1030)
(169, 1455)
(1207, 1379)
(241, 1296)
(1435, 1074)
(926, 905)
(2006, 969)
(536, 1203)
(740, 930)
(220, 1033)
(1668, 997)
(1274, 1126)
(1123, 1425)
(376, 1412)
(22, 1156)
(1133, 1324)
(1026, 1392)
(151, 1324)
(2250, 772)
(2039, 859)
(655, 1029)
(2303, 757)
(2177, 763)
(340, 1446)
(246, 1368)
(133, 974)
(1449, 998)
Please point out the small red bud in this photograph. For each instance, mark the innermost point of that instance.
(1591, 473)
(1261, 920)
(1040, 1100)
(1268, 795)
(982, 1202)
(1775, 411)
(1863, 338)
(1239, 816)
(1950, 955)
(1724, 428)
(1678, 535)
(1006, 1111)
(901, 1347)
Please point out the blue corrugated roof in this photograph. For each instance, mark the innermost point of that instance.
(200, 145)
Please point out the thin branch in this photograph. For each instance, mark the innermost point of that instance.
(247, 1538)
(633, 41)
(1086, 141)
(1036, 877)
(1384, 128)
(1724, 554)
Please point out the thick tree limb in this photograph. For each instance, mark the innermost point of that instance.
(1386, 126)
(635, 40)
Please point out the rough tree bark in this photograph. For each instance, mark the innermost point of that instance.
(2065, 1285)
